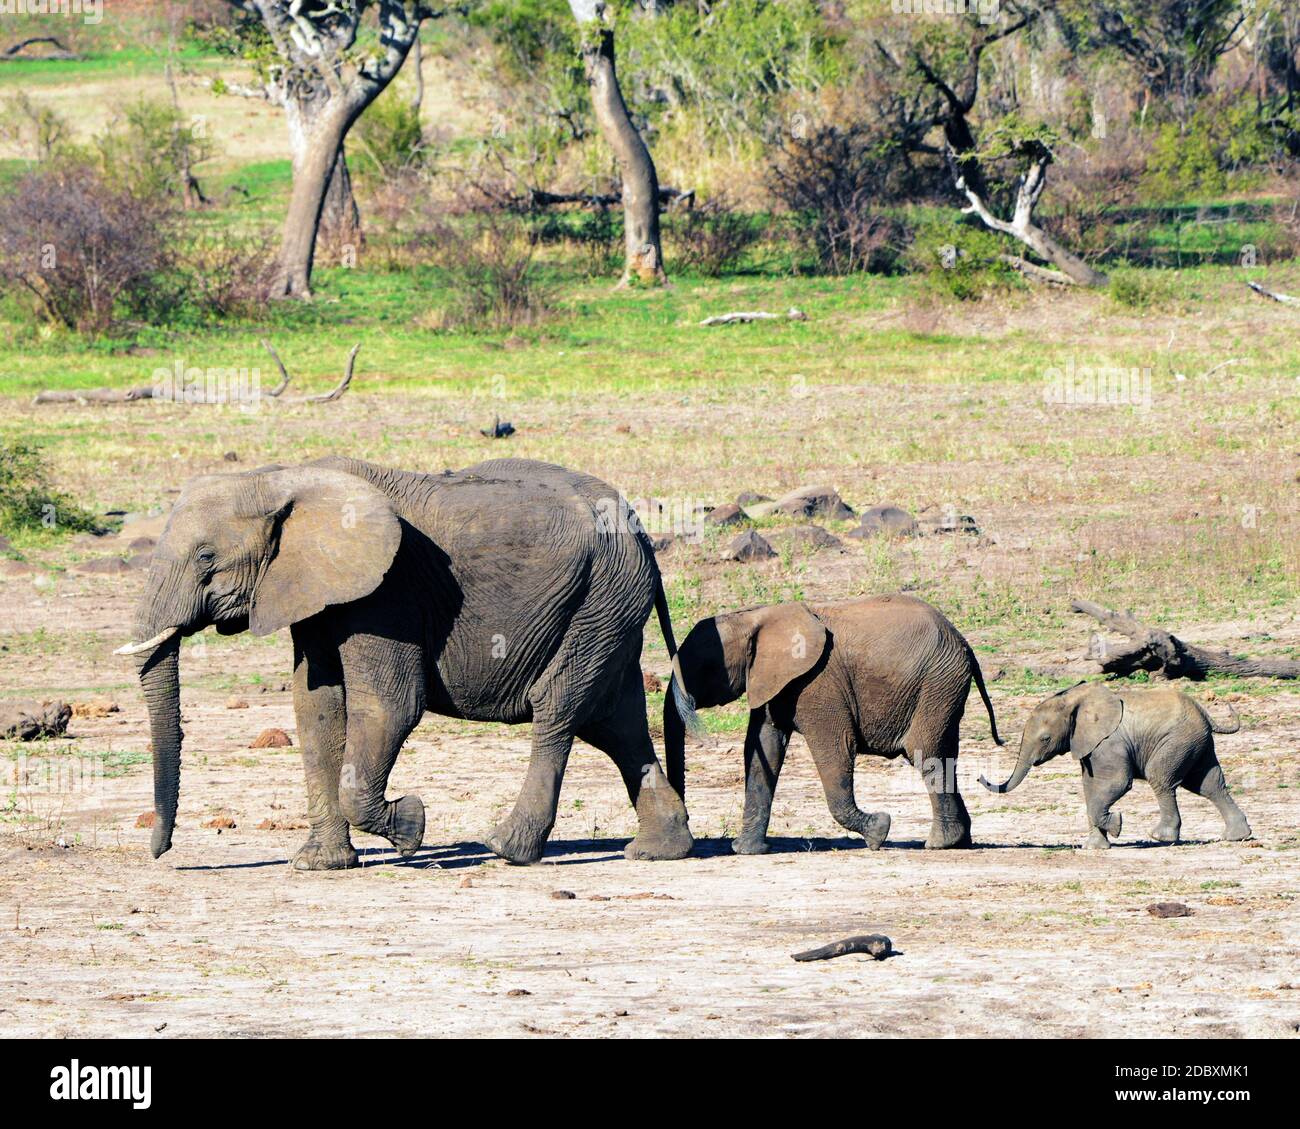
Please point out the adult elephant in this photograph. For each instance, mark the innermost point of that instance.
(512, 591)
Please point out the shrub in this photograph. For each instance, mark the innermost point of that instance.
(832, 180)
(961, 260)
(488, 256)
(26, 124)
(711, 238)
(28, 502)
(227, 275)
(1143, 289)
(81, 249)
(389, 136)
(1225, 141)
(150, 149)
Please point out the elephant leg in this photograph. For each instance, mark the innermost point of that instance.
(949, 819)
(833, 747)
(765, 745)
(1206, 779)
(625, 738)
(521, 837)
(1104, 786)
(376, 727)
(1171, 822)
(318, 706)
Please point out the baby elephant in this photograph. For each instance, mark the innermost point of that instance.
(886, 675)
(1160, 736)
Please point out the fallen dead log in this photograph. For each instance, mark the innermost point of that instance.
(195, 394)
(16, 51)
(875, 945)
(668, 198)
(1273, 295)
(742, 316)
(1165, 655)
(94, 395)
(321, 397)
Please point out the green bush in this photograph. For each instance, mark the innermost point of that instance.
(1136, 289)
(1224, 144)
(389, 137)
(962, 260)
(27, 500)
(149, 149)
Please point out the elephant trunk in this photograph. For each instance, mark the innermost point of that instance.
(1023, 765)
(166, 612)
(160, 681)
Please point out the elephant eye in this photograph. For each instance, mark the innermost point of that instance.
(205, 557)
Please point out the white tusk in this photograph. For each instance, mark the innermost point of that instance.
(149, 644)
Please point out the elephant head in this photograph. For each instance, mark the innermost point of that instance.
(757, 652)
(255, 551)
(1079, 719)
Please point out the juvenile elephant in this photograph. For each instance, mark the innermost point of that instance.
(512, 591)
(886, 675)
(1160, 736)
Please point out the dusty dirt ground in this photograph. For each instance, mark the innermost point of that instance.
(1024, 935)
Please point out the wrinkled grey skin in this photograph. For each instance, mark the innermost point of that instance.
(512, 591)
(1118, 736)
(886, 675)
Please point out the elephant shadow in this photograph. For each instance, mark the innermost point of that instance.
(578, 852)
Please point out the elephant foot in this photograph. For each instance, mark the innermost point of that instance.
(1165, 833)
(948, 837)
(750, 845)
(1237, 832)
(517, 841)
(314, 855)
(1113, 823)
(1096, 840)
(670, 842)
(875, 830)
(406, 825)
(662, 821)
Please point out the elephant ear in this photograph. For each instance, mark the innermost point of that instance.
(1096, 718)
(787, 642)
(333, 540)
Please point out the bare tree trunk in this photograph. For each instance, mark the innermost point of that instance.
(417, 61)
(317, 141)
(643, 248)
(340, 220)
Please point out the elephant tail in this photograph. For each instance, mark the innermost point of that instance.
(679, 706)
(978, 675)
(1215, 727)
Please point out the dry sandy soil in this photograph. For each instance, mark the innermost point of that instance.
(1024, 935)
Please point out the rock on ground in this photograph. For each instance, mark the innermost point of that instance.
(814, 501)
(749, 546)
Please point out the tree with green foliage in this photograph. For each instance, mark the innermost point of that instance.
(323, 63)
(1174, 45)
